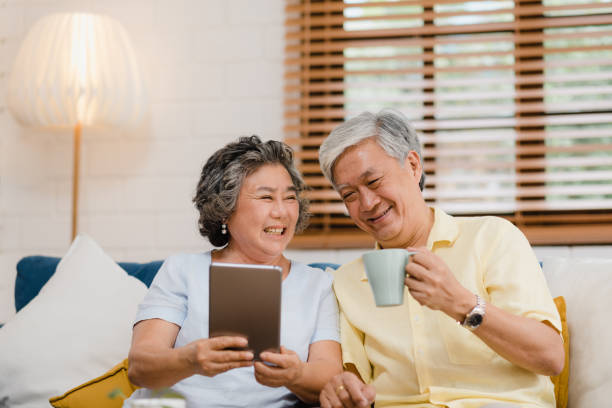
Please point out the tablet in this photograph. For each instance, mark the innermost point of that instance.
(245, 300)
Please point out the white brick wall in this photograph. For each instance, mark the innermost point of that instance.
(214, 72)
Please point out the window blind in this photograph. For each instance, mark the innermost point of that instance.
(513, 101)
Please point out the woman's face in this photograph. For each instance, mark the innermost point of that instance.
(266, 214)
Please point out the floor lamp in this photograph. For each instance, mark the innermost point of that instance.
(76, 70)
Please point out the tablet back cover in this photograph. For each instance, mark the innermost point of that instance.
(245, 300)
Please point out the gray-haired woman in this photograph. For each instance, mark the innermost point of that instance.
(250, 202)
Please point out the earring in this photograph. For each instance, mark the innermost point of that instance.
(223, 229)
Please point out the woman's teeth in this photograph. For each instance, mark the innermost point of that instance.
(273, 230)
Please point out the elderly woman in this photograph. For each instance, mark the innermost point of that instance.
(250, 202)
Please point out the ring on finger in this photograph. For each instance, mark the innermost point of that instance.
(339, 388)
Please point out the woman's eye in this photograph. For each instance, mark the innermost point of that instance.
(267, 197)
(291, 197)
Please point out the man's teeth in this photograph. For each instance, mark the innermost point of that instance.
(271, 230)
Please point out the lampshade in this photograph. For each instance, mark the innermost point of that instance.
(76, 69)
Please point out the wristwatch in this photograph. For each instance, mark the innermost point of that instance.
(474, 318)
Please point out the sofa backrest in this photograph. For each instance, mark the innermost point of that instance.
(35, 270)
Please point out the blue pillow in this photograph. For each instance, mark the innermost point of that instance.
(34, 271)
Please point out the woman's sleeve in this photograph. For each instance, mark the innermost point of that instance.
(327, 316)
(167, 295)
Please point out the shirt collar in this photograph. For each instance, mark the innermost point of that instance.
(444, 232)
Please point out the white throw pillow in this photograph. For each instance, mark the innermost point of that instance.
(79, 326)
(586, 285)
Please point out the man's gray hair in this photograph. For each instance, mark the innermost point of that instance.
(389, 127)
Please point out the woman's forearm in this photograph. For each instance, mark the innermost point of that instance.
(154, 368)
(314, 376)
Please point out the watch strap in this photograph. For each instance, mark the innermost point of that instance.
(477, 311)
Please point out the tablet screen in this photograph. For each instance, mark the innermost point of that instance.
(245, 300)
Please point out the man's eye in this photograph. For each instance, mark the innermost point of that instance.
(348, 196)
(266, 197)
(373, 182)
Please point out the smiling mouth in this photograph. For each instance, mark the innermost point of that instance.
(374, 219)
(275, 230)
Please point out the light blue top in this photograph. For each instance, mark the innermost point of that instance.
(179, 294)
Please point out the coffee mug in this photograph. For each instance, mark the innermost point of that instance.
(385, 269)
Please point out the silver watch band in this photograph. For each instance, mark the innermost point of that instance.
(475, 317)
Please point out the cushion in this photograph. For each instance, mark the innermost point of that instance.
(78, 326)
(561, 381)
(35, 270)
(96, 393)
(586, 285)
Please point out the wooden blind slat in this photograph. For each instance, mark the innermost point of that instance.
(442, 83)
(540, 23)
(524, 52)
(511, 37)
(331, 73)
(340, 6)
(522, 11)
(577, 119)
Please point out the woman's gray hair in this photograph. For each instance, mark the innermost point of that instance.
(389, 127)
(222, 178)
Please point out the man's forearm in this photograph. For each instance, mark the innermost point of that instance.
(526, 342)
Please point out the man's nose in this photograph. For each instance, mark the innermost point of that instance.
(368, 199)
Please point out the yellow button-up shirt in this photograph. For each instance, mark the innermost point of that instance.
(418, 357)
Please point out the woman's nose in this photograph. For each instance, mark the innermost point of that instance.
(279, 208)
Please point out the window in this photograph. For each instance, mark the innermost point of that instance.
(513, 100)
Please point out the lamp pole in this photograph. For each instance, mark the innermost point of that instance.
(75, 178)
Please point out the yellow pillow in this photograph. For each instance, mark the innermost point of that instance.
(561, 381)
(94, 393)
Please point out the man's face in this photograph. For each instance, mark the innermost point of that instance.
(382, 196)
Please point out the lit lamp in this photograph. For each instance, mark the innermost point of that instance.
(75, 70)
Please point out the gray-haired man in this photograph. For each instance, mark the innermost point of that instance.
(479, 272)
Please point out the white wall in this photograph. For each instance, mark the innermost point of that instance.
(214, 69)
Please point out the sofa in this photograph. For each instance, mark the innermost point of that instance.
(73, 327)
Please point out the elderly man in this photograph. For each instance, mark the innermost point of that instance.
(479, 328)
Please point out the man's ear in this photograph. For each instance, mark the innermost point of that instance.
(413, 163)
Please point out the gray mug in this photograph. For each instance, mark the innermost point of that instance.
(385, 269)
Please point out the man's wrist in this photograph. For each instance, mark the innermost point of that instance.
(463, 306)
(475, 317)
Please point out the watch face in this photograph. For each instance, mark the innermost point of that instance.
(475, 320)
